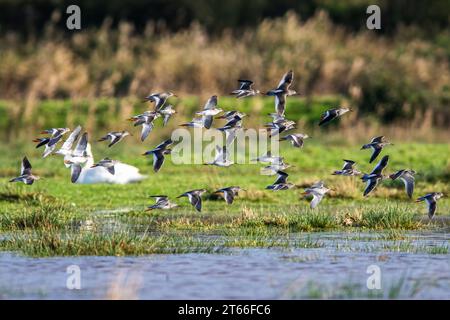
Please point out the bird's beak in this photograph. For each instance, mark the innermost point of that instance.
(144, 154)
(148, 209)
(44, 132)
(36, 140)
(95, 165)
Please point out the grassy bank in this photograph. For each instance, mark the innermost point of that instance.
(103, 114)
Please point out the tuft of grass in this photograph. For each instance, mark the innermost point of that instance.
(53, 243)
(295, 222)
(44, 216)
(14, 194)
(443, 249)
(390, 217)
(399, 289)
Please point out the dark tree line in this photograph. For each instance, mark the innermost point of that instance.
(28, 17)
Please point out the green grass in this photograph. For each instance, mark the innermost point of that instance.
(55, 217)
(353, 290)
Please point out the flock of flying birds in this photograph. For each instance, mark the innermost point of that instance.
(75, 158)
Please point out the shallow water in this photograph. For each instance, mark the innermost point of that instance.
(336, 270)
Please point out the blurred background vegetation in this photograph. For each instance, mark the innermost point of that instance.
(126, 49)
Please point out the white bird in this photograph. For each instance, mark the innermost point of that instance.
(407, 176)
(195, 198)
(318, 191)
(274, 167)
(209, 112)
(229, 193)
(123, 173)
(56, 136)
(159, 99)
(145, 119)
(77, 158)
(332, 114)
(195, 123)
(348, 169)
(167, 112)
(374, 178)
(25, 173)
(245, 89)
(268, 157)
(231, 134)
(275, 128)
(431, 200)
(158, 154)
(229, 115)
(233, 125)
(162, 202)
(66, 148)
(209, 108)
(377, 144)
(106, 163)
(222, 158)
(115, 137)
(282, 91)
(297, 139)
(281, 182)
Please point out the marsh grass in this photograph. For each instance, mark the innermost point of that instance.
(17, 194)
(295, 222)
(111, 219)
(40, 217)
(54, 243)
(48, 231)
(398, 289)
(113, 244)
(390, 217)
